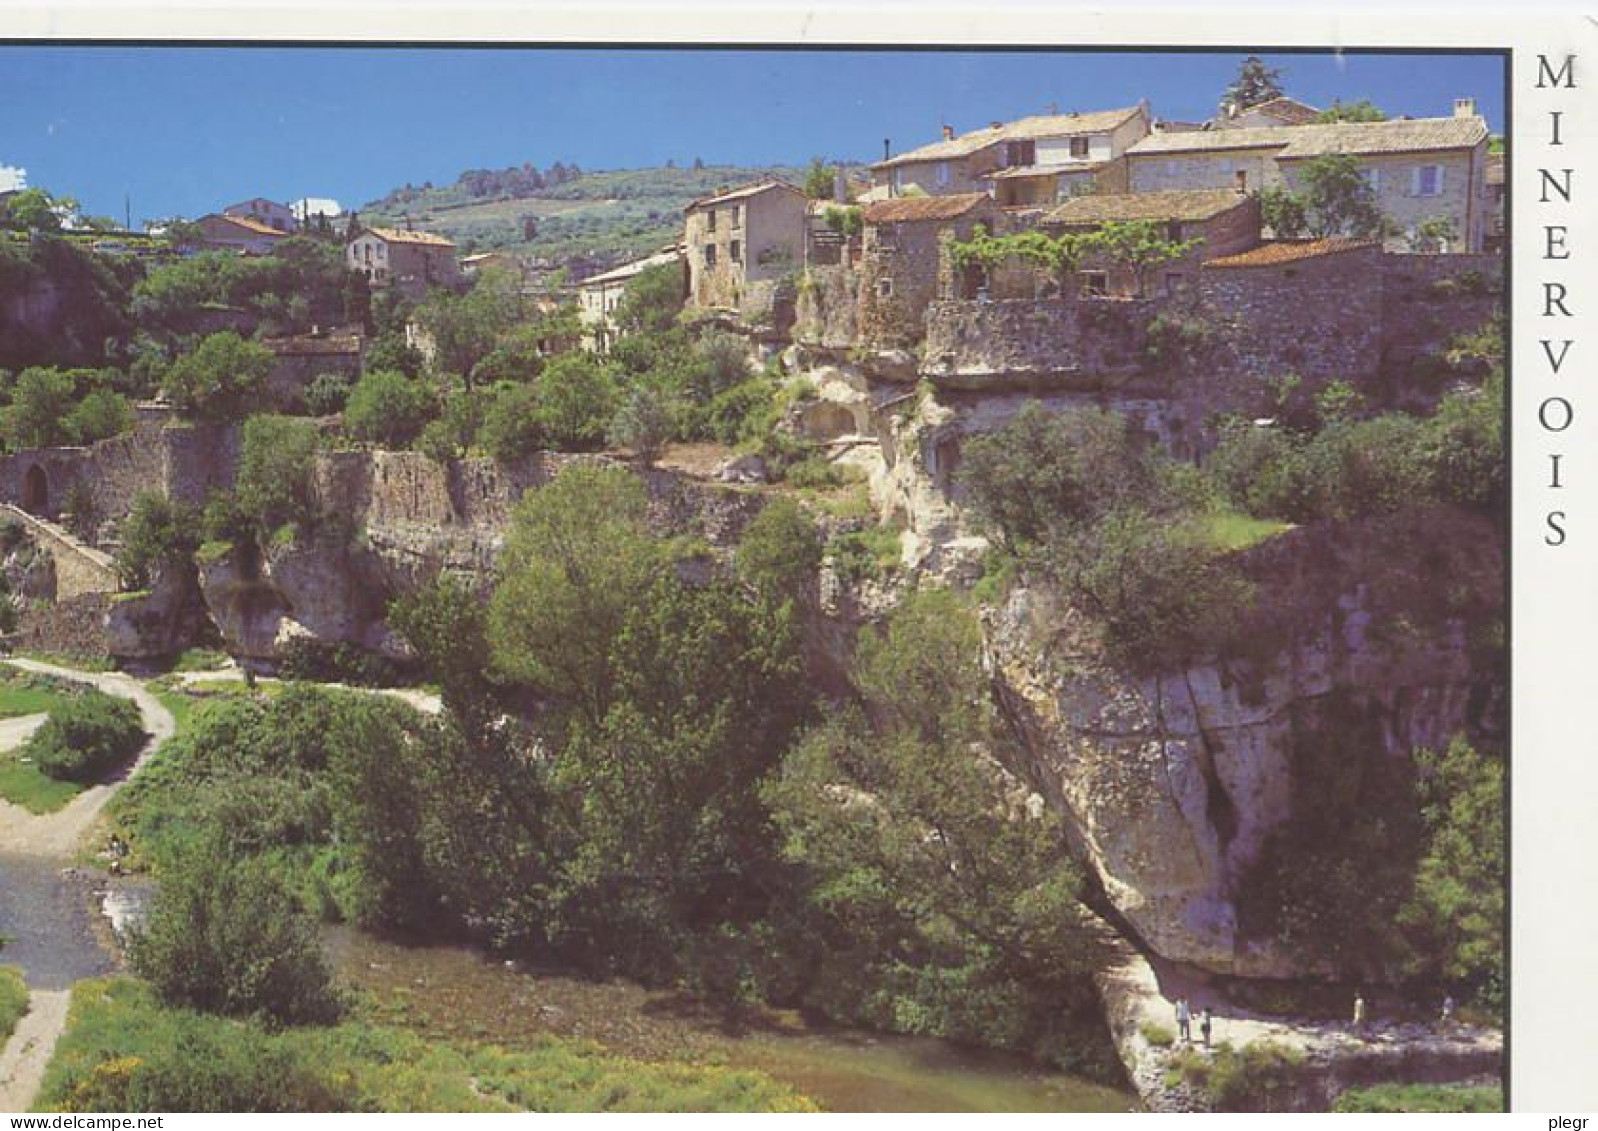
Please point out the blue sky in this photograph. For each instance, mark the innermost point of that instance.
(188, 130)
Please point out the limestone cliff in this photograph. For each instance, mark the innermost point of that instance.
(1377, 636)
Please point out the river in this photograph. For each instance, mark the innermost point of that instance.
(457, 993)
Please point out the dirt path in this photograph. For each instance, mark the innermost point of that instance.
(56, 835)
(23, 1059)
(52, 839)
(424, 701)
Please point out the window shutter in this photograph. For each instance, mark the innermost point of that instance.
(1439, 189)
(1414, 181)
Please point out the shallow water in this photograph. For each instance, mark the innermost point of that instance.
(456, 993)
(47, 918)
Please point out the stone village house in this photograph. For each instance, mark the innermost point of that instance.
(899, 271)
(302, 358)
(278, 217)
(741, 245)
(410, 261)
(1031, 161)
(599, 295)
(1418, 168)
(1225, 220)
(237, 233)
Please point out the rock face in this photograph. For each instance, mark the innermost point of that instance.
(1172, 781)
(160, 622)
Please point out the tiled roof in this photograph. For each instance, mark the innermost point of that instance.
(255, 227)
(1403, 135)
(636, 267)
(904, 209)
(1291, 251)
(1177, 204)
(742, 192)
(1039, 126)
(1042, 170)
(1288, 111)
(405, 235)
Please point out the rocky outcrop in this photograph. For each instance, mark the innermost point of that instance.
(156, 623)
(1365, 636)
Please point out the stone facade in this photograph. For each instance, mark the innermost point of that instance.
(1034, 343)
(900, 269)
(298, 361)
(411, 262)
(739, 240)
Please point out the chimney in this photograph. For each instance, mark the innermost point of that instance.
(1241, 181)
(948, 132)
(996, 125)
(1464, 107)
(887, 149)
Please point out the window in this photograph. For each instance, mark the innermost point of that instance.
(1173, 231)
(884, 288)
(737, 219)
(1372, 178)
(1079, 147)
(382, 250)
(1428, 180)
(1095, 284)
(710, 220)
(898, 179)
(734, 250)
(1173, 282)
(710, 255)
(943, 174)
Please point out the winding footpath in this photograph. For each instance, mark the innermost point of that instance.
(34, 845)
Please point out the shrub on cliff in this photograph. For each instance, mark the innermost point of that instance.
(277, 457)
(388, 408)
(157, 534)
(577, 396)
(220, 378)
(85, 737)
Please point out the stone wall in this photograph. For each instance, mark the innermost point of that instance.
(1429, 299)
(1034, 343)
(828, 308)
(79, 569)
(1319, 318)
(74, 627)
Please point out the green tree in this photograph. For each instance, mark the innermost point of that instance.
(466, 327)
(643, 423)
(85, 737)
(1043, 470)
(577, 556)
(388, 408)
(1284, 212)
(226, 935)
(37, 209)
(1362, 111)
(1140, 246)
(577, 396)
(651, 300)
(40, 404)
(948, 893)
(158, 534)
(512, 427)
(819, 179)
(101, 414)
(277, 457)
(1338, 200)
(1255, 83)
(220, 378)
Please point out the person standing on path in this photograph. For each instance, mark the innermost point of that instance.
(1206, 1023)
(1359, 1011)
(1184, 1020)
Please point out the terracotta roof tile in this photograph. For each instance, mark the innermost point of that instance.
(1288, 111)
(1175, 204)
(1291, 251)
(1410, 135)
(904, 209)
(249, 225)
(741, 192)
(1039, 126)
(405, 235)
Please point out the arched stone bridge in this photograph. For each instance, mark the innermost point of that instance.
(79, 568)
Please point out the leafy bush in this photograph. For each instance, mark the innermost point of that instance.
(576, 398)
(226, 935)
(327, 393)
(512, 427)
(870, 554)
(1160, 1036)
(1420, 1098)
(99, 416)
(13, 1000)
(388, 408)
(276, 460)
(220, 378)
(157, 534)
(86, 736)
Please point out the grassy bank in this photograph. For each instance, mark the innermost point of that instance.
(13, 1000)
(124, 1051)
